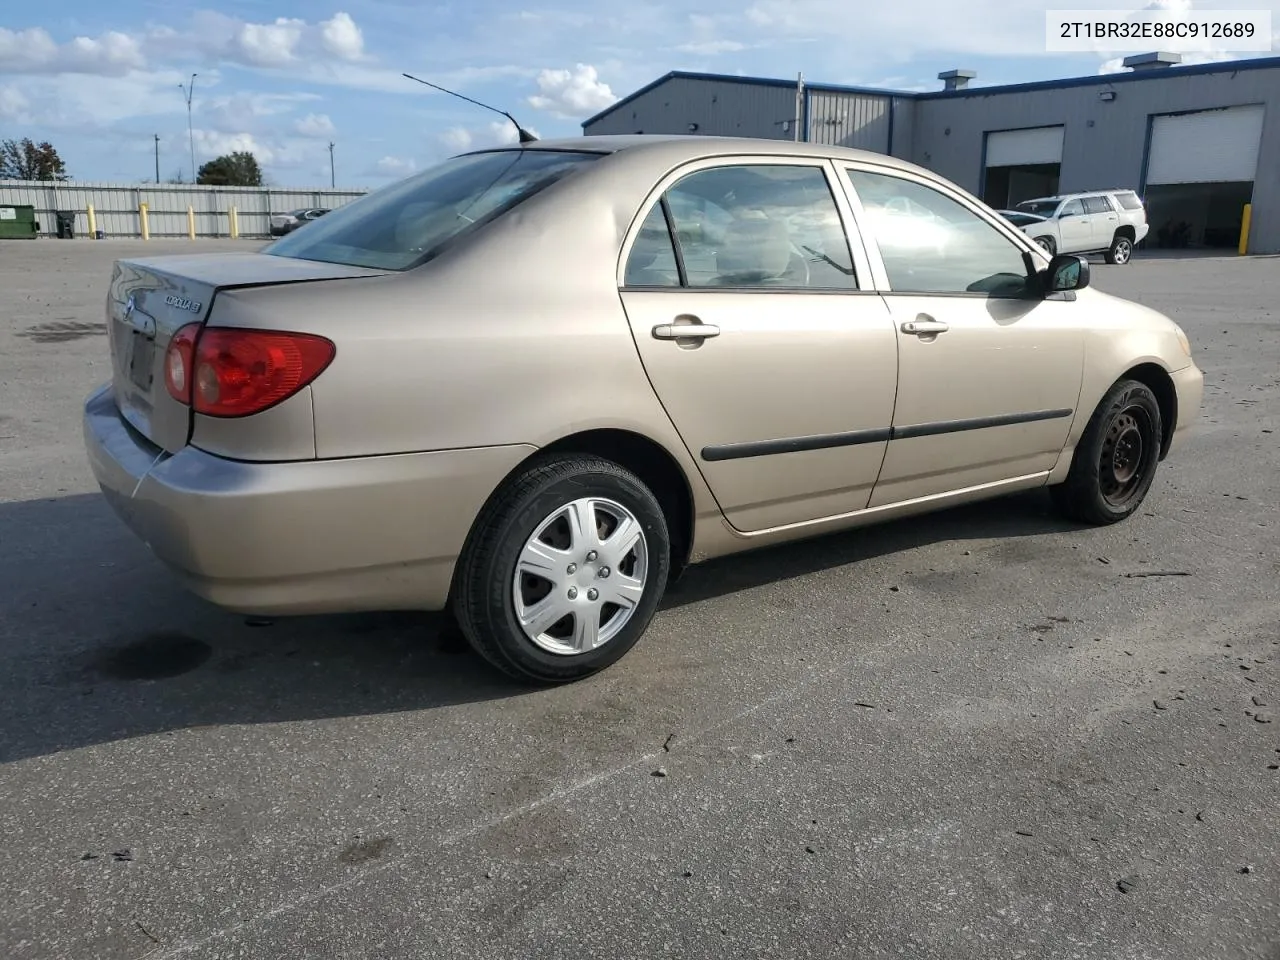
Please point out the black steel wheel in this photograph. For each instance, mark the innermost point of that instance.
(1115, 461)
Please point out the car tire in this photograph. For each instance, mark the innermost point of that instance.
(502, 608)
(1121, 250)
(1048, 245)
(1115, 461)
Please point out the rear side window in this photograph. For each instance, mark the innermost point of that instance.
(1096, 205)
(406, 224)
(652, 261)
(1129, 200)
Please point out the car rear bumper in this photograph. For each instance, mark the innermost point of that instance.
(316, 536)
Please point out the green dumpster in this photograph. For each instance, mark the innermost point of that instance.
(18, 223)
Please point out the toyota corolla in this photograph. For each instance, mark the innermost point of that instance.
(531, 384)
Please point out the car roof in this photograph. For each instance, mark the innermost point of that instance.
(683, 147)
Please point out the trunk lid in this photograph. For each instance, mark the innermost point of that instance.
(151, 299)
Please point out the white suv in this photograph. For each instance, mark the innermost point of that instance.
(1111, 222)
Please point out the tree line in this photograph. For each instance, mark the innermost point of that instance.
(26, 160)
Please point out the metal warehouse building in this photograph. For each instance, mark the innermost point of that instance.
(1197, 142)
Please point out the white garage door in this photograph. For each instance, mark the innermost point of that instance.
(1018, 148)
(1211, 146)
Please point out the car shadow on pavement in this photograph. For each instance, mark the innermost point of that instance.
(98, 642)
(1017, 515)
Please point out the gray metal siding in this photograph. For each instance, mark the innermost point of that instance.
(115, 206)
(1110, 153)
(904, 127)
(849, 120)
(720, 108)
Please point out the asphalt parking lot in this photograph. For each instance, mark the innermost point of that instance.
(947, 737)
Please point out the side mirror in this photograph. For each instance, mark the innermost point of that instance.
(1067, 272)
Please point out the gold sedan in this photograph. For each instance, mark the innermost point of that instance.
(532, 384)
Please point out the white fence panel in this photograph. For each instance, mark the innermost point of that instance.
(116, 205)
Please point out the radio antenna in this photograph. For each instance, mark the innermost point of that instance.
(524, 135)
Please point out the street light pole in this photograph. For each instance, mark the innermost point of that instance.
(157, 136)
(189, 89)
(333, 181)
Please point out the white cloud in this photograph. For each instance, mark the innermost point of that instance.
(13, 105)
(711, 48)
(215, 143)
(456, 139)
(394, 167)
(315, 125)
(269, 44)
(342, 38)
(572, 94)
(34, 51)
(286, 42)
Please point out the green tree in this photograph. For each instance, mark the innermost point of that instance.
(239, 169)
(24, 160)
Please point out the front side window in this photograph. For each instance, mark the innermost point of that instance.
(1072, 208)
(759, 225)
(931, 243)
(403, 225)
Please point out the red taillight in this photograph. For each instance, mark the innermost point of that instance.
(177, 363)
(234, 373)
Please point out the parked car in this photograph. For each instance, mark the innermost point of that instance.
(282, 223)
(1110, 222)
(500, 387)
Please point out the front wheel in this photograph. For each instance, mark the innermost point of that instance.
(1047, 245)
(564, 569)
(1121, 250)
(1115, 461)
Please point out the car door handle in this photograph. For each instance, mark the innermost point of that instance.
(924, 327)
(685, 331)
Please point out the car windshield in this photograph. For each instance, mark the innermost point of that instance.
(405, 224)
(1041, 208)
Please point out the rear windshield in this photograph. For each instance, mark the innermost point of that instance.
(1041, 208)
(1129, 200)
(407, 223)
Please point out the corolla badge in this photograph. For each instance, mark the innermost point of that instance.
(182, 303)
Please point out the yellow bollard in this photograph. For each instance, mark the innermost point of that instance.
(142, 218)
(93, 224)
(191, 222)
(1245, 222)
(235, 223)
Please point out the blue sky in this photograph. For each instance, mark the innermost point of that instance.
(285, 77)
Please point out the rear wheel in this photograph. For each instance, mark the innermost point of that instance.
(564, 570)
(1121, 250)
(1115, 461)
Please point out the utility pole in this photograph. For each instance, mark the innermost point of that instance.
(333, 182)
(157, 136)
(189, 89)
